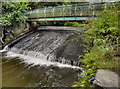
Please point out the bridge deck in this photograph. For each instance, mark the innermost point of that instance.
(63, 19)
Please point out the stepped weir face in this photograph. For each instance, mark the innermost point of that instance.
(42, 58)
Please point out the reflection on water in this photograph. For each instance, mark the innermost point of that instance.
(18, 74)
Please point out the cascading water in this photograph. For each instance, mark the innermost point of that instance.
(44, 55)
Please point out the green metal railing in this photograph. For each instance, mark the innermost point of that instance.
(75, 10)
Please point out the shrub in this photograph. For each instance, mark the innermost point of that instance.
(12, 13)
(7, 40)
(74, 24)
(102, 38)
(68, 24)
(44, 23)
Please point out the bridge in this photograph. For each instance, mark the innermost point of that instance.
(67, 12)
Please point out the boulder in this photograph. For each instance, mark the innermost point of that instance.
(106, 79)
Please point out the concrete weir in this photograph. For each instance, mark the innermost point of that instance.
(58, 28)
(50, 43)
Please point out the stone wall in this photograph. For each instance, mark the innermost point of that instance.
(14, 32)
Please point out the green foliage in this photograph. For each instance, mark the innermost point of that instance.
(43, 23)
(7, 40)
(82, 25)
(102, 37)
(74, 24)
(68, 24)
(11, 17)
(12, 13)
(37, 5)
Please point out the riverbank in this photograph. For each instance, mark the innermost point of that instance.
(102, 49)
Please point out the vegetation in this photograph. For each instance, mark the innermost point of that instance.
(36, 5)
(49, 23)
(12, 16)
(75, 24)
(12, 13)
(102, 50)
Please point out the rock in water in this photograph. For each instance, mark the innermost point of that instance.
(106, 79)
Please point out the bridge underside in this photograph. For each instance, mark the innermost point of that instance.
(62, 19)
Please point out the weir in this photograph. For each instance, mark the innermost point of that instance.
(49, 44)
(42, 58)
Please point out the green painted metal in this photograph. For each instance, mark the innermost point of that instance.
(62, 19)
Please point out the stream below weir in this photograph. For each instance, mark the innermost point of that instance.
(16, 73)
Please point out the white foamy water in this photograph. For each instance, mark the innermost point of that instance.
(39, 61)
(5, 49)
(2, 51)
